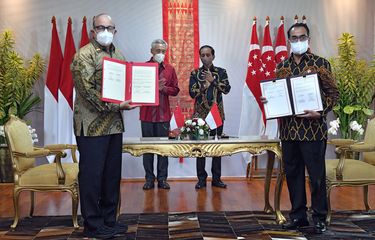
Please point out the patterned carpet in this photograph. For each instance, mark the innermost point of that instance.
(197, 225)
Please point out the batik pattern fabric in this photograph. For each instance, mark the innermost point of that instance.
(205, 97)
(92, 116)
(294, 128)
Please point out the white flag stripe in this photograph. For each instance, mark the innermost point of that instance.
(50, 120)
(65, 123)
(210, 120)
(280, 49)
(250, 108)
(50, 117)
(173, 123)
(253, 47)
(251, 122)
(266, 49)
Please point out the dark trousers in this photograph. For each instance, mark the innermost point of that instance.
(297, 155)
(216, 162)
(155, 129)
(99, 178)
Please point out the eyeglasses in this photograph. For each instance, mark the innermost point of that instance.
(101, 28)
(301, 38)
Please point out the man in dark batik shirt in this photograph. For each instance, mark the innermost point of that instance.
(304, 137)
(206, 86)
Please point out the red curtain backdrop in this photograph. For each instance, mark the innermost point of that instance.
(181, 31)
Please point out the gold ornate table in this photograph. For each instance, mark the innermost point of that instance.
(212, 147)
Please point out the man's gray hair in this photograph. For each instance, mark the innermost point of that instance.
(159, 41)
(99, 15)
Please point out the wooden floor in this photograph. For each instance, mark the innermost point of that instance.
(240, 195)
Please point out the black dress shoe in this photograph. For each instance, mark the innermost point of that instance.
(148, 185)
(163, 184)
(102, 232)
(320, 227)
(219, 184)
(295, 224)
(200, 184)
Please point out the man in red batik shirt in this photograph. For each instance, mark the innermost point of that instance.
(155, 119)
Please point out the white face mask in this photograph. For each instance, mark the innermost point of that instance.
(159, 57)
(299, 47)
(104, 38)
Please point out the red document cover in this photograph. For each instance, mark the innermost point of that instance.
(137, 82)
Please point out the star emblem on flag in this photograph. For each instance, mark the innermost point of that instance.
(281, 52)
(255, 70)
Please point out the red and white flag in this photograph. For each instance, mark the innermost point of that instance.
(269, 65)
(51, 89)
(65, 109)
(177, 119)
(251, 122)
(213, 118)
(281, 52)
(268, 56)
(84, 35)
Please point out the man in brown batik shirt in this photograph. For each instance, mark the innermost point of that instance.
(98, 127)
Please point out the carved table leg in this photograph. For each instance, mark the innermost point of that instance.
(280, 219)
(267, 182)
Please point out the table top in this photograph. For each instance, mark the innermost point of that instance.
(230, 140)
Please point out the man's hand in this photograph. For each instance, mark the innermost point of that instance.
(206, 84)
(126, 105)
(310, 114)
(263, 99)
(207, 75)
(161, 84)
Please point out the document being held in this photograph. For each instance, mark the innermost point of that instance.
(306, 93)
(137, 82)
(278, 102)
(291, 96)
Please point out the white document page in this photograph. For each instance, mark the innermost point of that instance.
(277, 94)
(113, 80)
(306, 94)
(143, 84)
